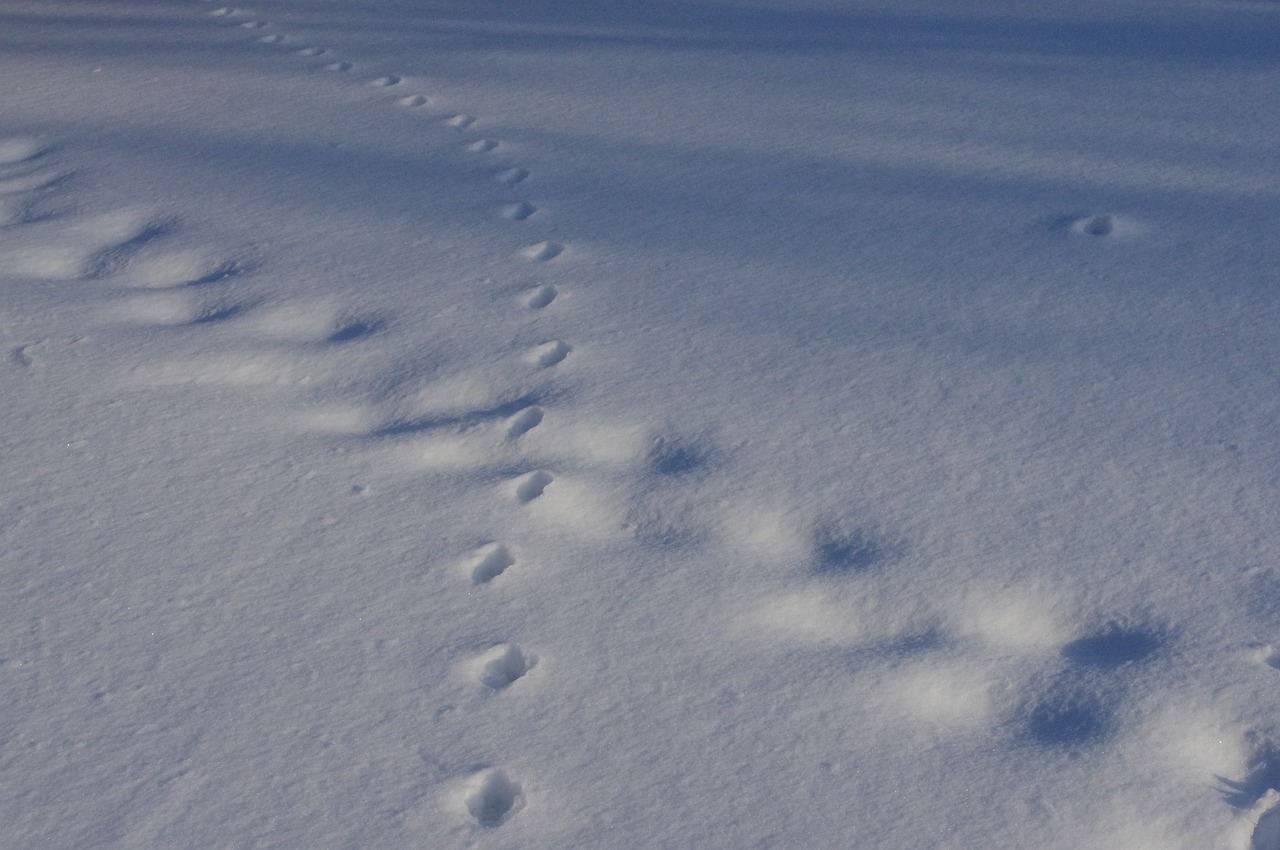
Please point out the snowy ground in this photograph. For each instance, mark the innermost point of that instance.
(701, 424)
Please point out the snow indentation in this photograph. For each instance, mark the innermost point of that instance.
(542, 297)
(504, 665)
(533, 485)
(490, 562)
(543, 251)
(494, 798)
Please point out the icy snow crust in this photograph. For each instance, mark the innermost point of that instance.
(518, 424)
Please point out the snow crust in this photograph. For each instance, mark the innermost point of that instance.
(701, 423)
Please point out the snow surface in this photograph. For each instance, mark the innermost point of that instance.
(600, 424)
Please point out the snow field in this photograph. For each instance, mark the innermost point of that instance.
(354, 527)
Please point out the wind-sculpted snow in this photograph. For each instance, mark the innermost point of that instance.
(557, 424)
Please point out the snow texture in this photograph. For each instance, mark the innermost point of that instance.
(667, 424)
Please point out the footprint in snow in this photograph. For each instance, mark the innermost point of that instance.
(482, 146)
(550, 353)
(1100, 225)
(92, 247)
(543, 251)
(542, 297)
(503, 665)
(524, 422)
(311, 51)
(512, 176)
(253, 25)
(176, 310)
(518, 211)
(489, 562)
(494, 798)
(1269, 655)
(460, 122)
(386, 81)
(308, 324)
(338, 67)
(271, 39)
(222, 12)
(533, 485)
(173, 269)
(1095, 225)
(412, 101)
(1115, 645)
(20, 149)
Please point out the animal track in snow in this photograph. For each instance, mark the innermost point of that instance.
(1067, 719)
(524, 422)
(490, 562)
(311, 51)
(503, 665)
(550, 353)
(222, 12)
(19, 149)
(542, 297)
(838, 551)
(253, 25)
(518, 211)
(386, 80)
(533, 485)
(1101, 225)
(24, 356)
(1095, 225)
(28, 181)
(461, 122)
(316, 323)
(91, 246)
(271, 39)
(543, 251)
(175, 309)
(1113, 646)
(412, 101)
(512, 176)
(494, 798)
(482, 146)
(338, 67)
(173, 269)
(676, 457)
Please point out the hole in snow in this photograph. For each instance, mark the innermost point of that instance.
(492, 562)
(495, 799)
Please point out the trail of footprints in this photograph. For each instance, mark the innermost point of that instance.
(1072, 706)
(492, 795)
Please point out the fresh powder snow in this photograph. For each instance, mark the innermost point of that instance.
(713, 424)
